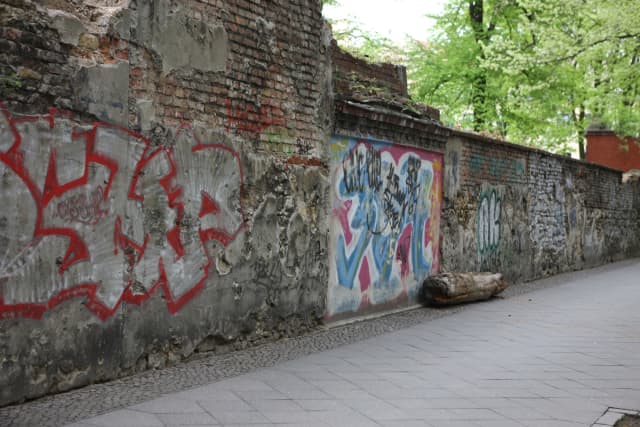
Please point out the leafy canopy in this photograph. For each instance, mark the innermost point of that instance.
(535, 72)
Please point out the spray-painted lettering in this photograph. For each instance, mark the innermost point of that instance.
(82, 208)
(387, 212)
(489, 213)
(496, 168)
(100, 213)
(251, 120)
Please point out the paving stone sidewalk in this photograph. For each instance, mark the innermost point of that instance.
(557, 352)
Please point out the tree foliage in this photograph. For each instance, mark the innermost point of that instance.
(351, 36)
(536, 72)
(533, 71)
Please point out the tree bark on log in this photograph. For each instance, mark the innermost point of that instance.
(456, 288)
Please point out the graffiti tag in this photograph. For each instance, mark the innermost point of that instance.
(131, 214)
(489, 213)
(82, 208)
(252, 120)
(498, 168)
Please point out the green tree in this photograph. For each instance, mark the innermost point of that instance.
(533, 71)
(369, 45)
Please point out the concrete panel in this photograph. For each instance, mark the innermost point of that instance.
(68, 26)
(103, 91)
(179, 40)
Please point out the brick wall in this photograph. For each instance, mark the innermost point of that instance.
(386, 169)
(508, 208)
(171, 175)
(166, 168)
(529, 214)
(381, 84)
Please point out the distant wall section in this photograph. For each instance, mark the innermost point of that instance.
(530, 214)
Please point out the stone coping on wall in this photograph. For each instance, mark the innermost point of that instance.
(482, 138)
(440, 132)
(386, 116)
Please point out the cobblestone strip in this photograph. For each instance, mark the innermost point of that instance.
(100, 398)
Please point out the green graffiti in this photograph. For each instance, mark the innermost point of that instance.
(496, 167)
(476, 164)
(488, 224)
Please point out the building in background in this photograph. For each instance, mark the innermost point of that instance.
(606, 148)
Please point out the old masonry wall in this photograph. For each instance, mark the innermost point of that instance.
(179, 177)
(530, 214)
(485, 205)
(162, 180)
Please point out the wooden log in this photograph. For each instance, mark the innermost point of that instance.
(456, 288)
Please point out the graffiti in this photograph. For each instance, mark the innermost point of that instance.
(489, 213)
(498, 168)
(573, 217)
(82, 208)
(303, 146)
(283, 140)
(359, 166)
(248, 119)
(386, 217)
(101, 214)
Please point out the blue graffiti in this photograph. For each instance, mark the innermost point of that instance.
(391, 206)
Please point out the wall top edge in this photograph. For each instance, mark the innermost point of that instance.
(530, 150)
(396, 118)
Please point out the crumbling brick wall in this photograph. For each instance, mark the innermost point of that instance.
(529, 214)
(168, 173)
(163, 169)
(508, 208)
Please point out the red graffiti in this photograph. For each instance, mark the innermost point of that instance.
(82, 208)
(297, 160)
(76, 208)
(252, 120)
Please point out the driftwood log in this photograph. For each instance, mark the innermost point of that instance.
(456, 288)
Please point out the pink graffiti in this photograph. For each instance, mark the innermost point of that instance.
(342, 213)
(403, 249)
(253, 120)
(364, 275)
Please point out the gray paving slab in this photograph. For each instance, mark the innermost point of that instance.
(126, 418)
(556, 352)
(191, 419)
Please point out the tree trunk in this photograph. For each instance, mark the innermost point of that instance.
(479, 82)
(455, 288)
(578, 120)
(581, 147)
